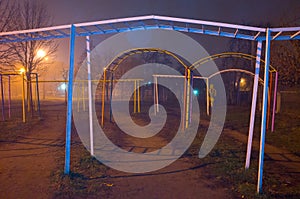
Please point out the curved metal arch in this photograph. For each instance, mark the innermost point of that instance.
(236, 70)
(225, 55)
(117, 60)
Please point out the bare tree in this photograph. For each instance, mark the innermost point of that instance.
(7, 14)
(31, 55)
(286, 56)
(233, 79)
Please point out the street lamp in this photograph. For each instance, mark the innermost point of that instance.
(22, 70)
(40, 53)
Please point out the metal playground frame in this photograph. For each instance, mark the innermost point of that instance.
(71, 31)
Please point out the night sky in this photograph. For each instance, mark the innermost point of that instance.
(255, 12)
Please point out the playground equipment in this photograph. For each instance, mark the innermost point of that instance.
(8, 75)
(72, 31)
(9, 82)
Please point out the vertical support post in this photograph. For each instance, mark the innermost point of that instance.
(2, 98)
(83, 97)
(191, 96)
(253, 106)
(207, 96)
(264, 111)
(78, 95)
(184, 99)
(111, 92)
(134, 97)
(188, 95)
(139, 96)
(31, 97)
(69, 105)
(23, 98)
(38, 94)
(156, 94)
(28, 96)
(35, 96)
(269, 99)
(274, 101)
(90, 99)
(103, 96)
(9, 97)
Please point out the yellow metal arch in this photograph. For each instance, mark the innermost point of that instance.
(225, 55)
(117, 60)
(236, 70)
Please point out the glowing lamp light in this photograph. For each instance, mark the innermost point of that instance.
(243, 82)
(40, 53)
(22, 70)
(62, 87)
(196, 92)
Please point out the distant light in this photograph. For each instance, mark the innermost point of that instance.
(243, 80)
(40, 53)
(149, 83)
(62, 87)
(243, 83)
(22, 70)
(196, 92)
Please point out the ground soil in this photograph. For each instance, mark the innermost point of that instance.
(28, 163)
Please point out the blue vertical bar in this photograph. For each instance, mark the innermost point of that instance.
(264, 112)
(69, 107)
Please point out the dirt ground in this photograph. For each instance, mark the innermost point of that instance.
(27, 165)
(27, 162)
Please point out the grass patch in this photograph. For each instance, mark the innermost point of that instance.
(88, 177)
(226, 166)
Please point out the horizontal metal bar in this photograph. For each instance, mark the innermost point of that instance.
(35, 30)
(287, 37)
(183, 25)
(115, 21)
(287, 29)
(31, 39)
(209, 23)
(280, 38)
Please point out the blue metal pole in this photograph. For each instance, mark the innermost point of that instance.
(69, 106)
(264, 111)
